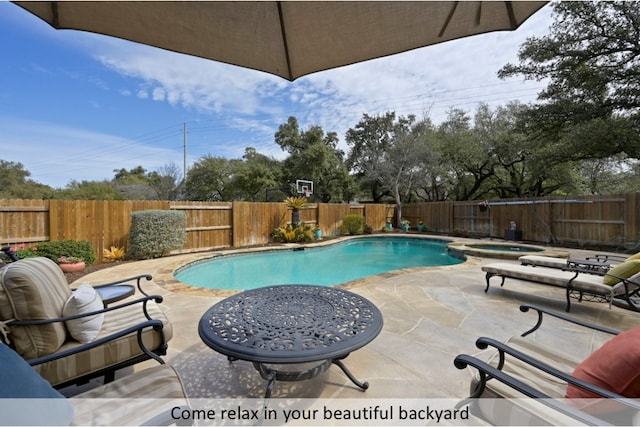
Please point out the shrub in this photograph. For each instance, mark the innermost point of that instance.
(352, 224)
(155, 233)
(56, 249)
(291, 234)
(26, 253)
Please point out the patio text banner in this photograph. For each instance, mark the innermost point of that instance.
(330, 412)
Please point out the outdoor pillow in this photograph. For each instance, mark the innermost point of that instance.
(615, 366)
(85, 299)
(626, 270)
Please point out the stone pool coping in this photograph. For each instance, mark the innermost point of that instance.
(166, 279)
(464, 249)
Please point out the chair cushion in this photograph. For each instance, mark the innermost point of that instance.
(34, 289)
(84, 299)
(626, 270)
(148, 393)
(614, 366)
(634, 256)
(113, 352)
(18, 380)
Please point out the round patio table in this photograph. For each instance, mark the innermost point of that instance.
(291, 324)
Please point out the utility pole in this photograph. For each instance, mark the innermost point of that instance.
(184, 144)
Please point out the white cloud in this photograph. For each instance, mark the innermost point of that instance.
(458, 73)
(85, 155)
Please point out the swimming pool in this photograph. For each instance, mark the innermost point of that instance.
(328, 265)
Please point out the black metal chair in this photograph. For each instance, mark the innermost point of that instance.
(34, 294)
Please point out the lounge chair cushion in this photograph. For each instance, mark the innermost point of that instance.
(34, 289)
(84, 299)
(546, 261)
(634, 256)
(554, 277)
(615, 366)
(146, 393)
(112, 352)
(626, 270)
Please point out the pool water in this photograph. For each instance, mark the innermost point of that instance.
(328, 265)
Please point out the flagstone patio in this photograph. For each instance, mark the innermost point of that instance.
(430, 316)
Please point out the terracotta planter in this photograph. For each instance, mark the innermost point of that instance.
(72, 267)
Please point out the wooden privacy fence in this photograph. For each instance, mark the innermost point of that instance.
(210, 225)
(606, 221)
(596, 221)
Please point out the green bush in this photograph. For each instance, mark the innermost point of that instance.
(60, 248)
(352, 224)
(155, 233)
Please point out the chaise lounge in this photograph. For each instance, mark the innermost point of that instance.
(528, 383)
(621, 282)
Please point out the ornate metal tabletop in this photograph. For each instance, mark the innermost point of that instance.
(290, 324)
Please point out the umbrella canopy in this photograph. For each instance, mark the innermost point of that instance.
(287, 38)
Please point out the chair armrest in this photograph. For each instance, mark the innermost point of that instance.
(484, 342)
(487, 372)
(606, 258)
(541, 310)
(143, 301)
(156, 324)
(138, 279)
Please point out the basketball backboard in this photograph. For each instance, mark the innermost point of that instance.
(304, 187)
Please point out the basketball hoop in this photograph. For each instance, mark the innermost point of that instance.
(304, 187)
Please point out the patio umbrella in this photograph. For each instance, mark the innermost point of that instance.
(287, 38)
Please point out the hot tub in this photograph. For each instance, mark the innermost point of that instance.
(502, 250)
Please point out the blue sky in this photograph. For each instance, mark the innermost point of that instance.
(76, 106)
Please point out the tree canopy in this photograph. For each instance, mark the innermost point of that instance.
(591, 60)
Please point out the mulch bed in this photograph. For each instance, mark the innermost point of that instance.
(72, 277)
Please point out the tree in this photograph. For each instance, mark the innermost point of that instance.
(166, 181)
(210, 179)
(522, 168)
(467, 156)
(15, 183)
(134, 184)
(402, 161)
(314, 156)
(90, 190)
(256, 175)
(591, 59)
(368, 143)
